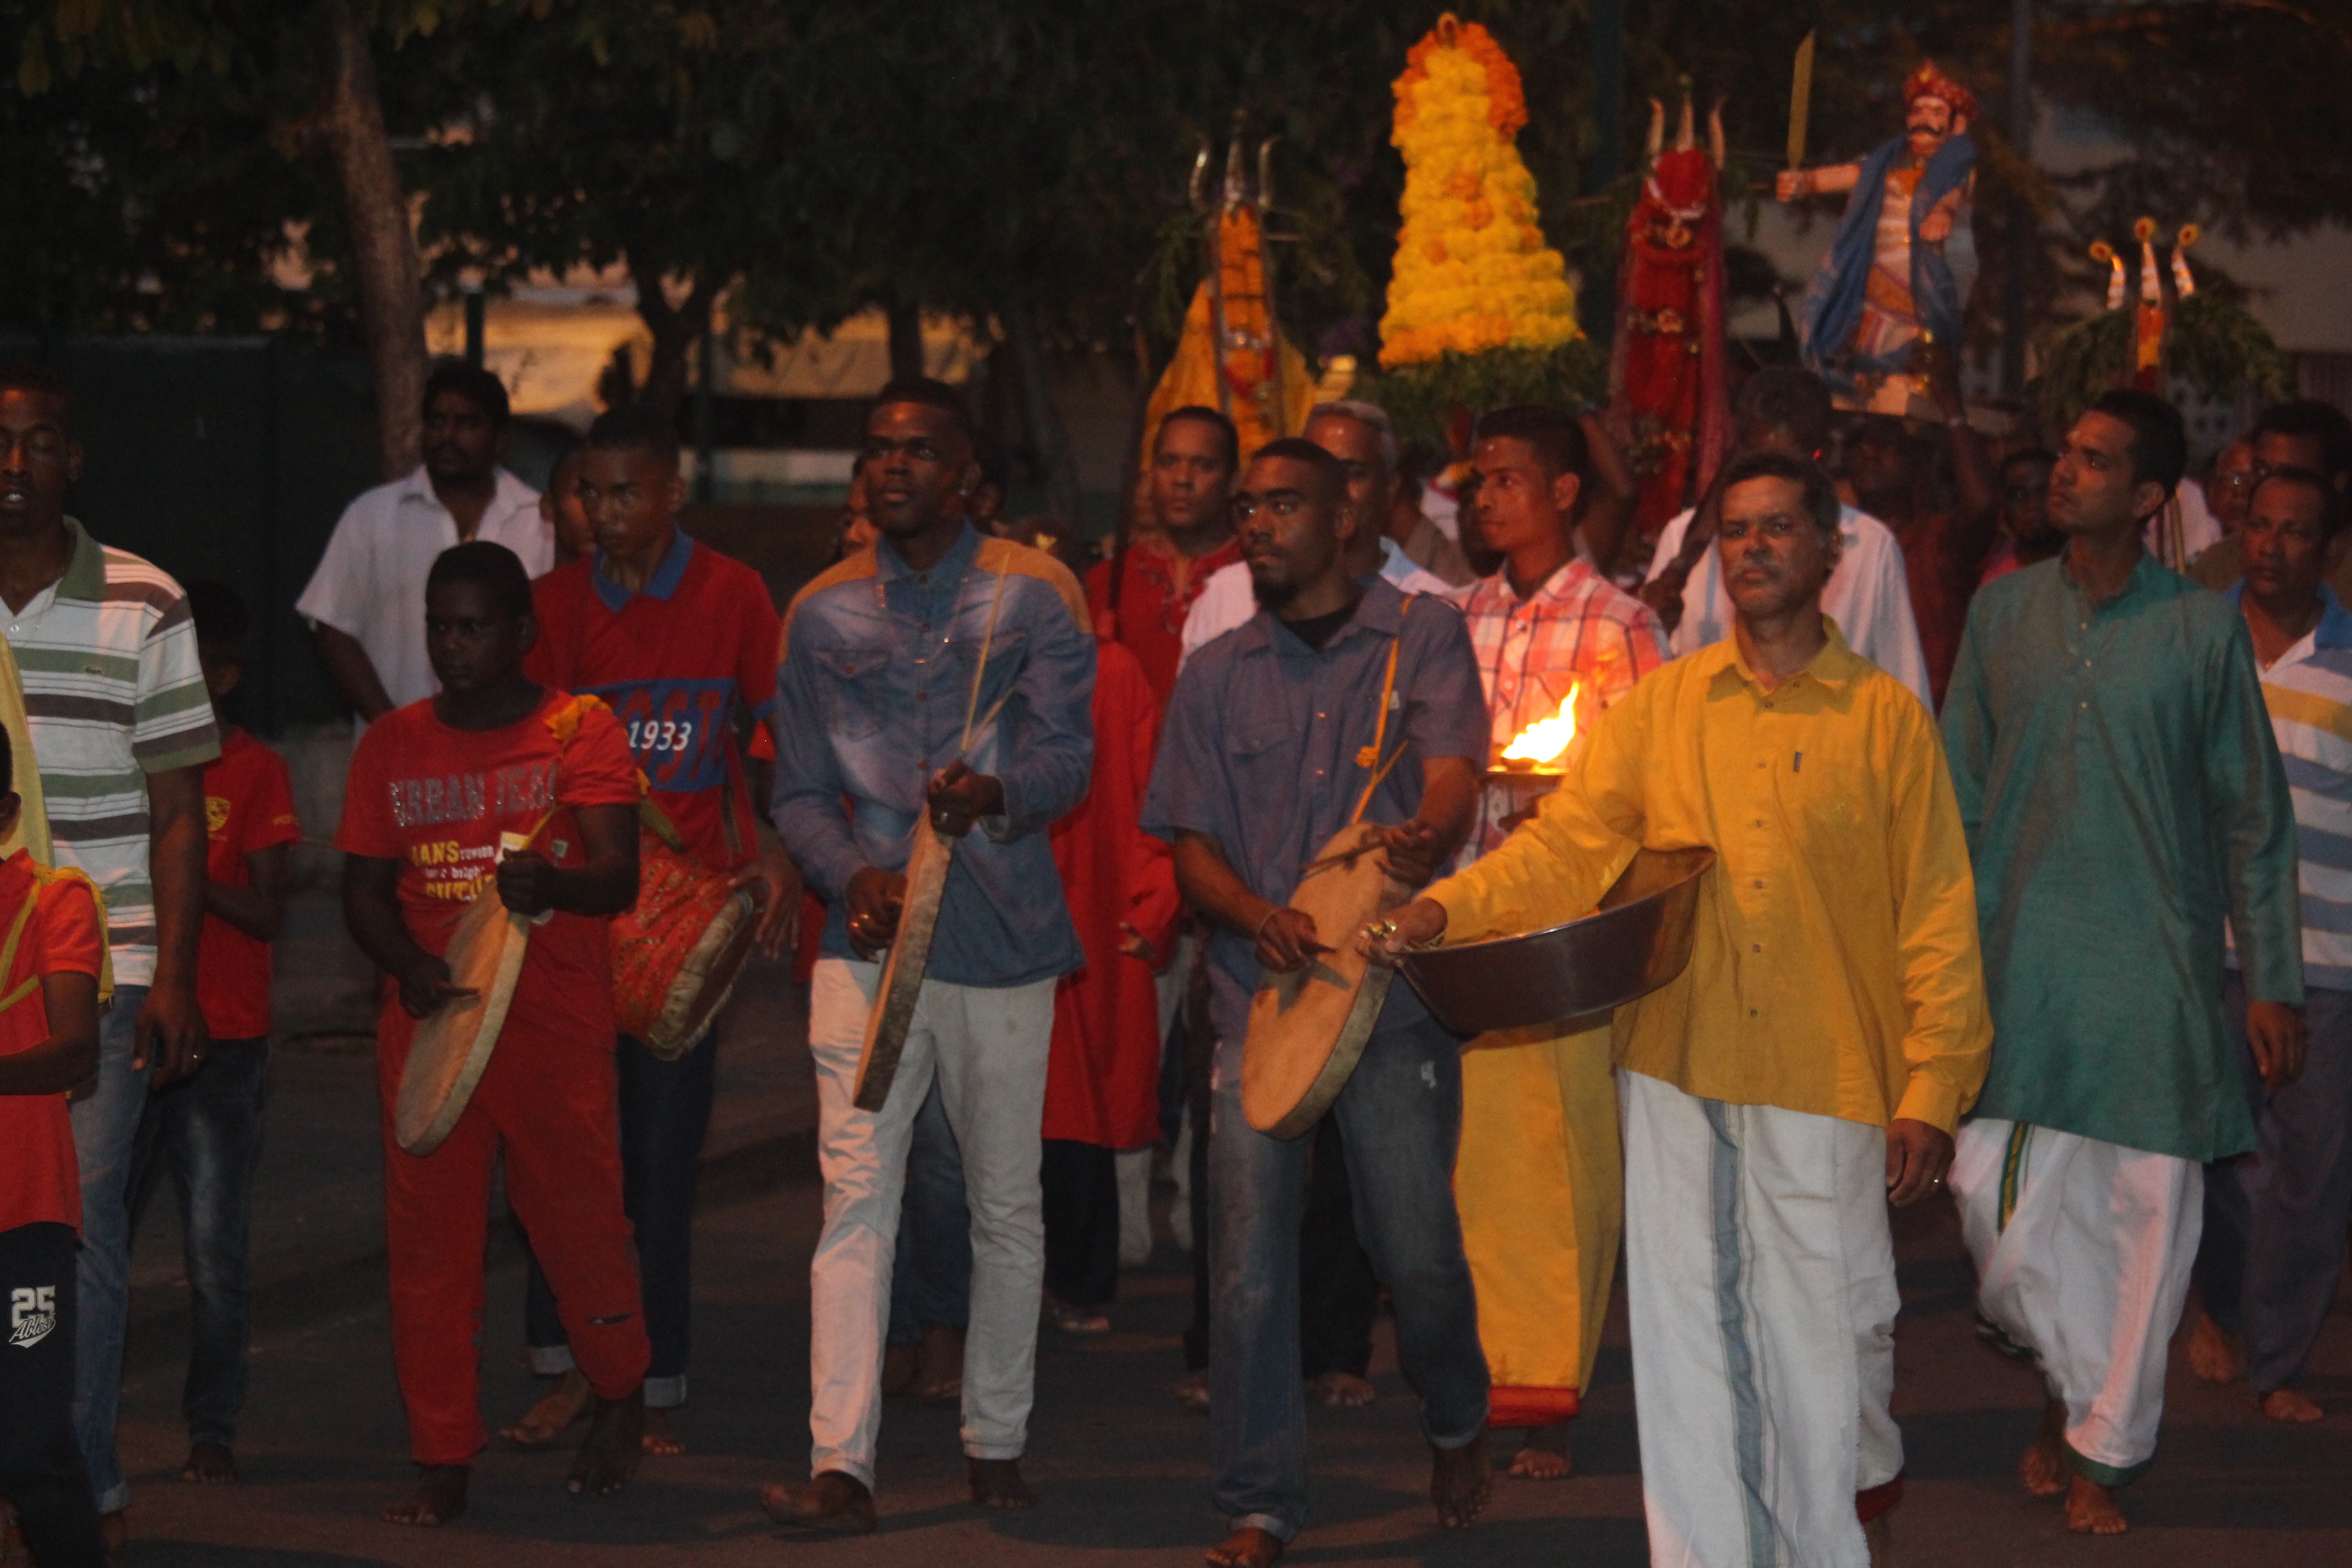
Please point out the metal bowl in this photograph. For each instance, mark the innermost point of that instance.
(1637, 940)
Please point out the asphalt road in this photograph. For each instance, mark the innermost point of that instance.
(1121, 1470)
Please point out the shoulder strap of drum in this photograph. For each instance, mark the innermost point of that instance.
(1370, 757)
(8, 951)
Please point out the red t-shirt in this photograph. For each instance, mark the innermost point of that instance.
(676, 663)
(436, 798)
(1152, 609)
(248, 807)
(40, 1182)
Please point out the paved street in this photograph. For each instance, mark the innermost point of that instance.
(1120, 1469)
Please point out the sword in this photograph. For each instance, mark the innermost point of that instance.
(1800, 102)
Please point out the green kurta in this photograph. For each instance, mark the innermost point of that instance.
(2123, 797)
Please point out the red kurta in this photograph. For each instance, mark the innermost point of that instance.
(1102, 1080)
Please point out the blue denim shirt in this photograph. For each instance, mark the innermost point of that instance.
(1260, 753)
(877, 679)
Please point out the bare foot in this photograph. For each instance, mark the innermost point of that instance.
(2044, 1468)
(2216, 1354)
(661, 1438)
(1084, 1323)
(557, 1409)
(439, 1497)
(1193, 1391)
(836, 1502)
(211, 1463)
(2091, 1509)
(1246, 1549)
(901, 1364)
(613, 1447)
(940, 1381)
(1341, 1391)
(1459, 1482)
(1538, 1464)
(2290, 1407)
(997, 1483)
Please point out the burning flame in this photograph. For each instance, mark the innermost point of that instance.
(1546, 740)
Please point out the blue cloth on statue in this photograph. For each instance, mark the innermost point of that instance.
(1832, 307)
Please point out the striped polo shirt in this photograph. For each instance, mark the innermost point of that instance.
(2309, 694)
(112, 693)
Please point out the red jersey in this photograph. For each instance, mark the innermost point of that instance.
(248, 807)
(678, 663)
(1152, 609)
(436, 798)
(40, 1182)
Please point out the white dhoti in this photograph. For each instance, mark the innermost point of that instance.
(2083, 1252)
(1761, 1278)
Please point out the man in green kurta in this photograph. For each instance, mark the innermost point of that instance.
(2123, 796)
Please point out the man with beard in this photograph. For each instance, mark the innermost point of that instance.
(1340, 700)
(366, 600)
(2124, 799)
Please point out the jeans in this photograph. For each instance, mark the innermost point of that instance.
(2274, 1222)
(1405, 1103)
(41, 1470)
(106, 1138)
(986, 1047)
(1338, 1295)
(930, 1283)
(665, 1114)
(206, 1130)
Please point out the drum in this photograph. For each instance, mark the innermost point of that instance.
(677, 954)
(452, 1046)
(902, 972)
(1306, 1029)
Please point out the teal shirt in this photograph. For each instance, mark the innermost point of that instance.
(2123, 797)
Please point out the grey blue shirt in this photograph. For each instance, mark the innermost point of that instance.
(1261, 748)
(871, 700)
(2123, 797)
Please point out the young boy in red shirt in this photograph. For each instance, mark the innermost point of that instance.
(432, 788)
(52, 965)
(206, 1129)
(681, 641)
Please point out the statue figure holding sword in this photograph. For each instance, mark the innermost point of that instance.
(1900, 269)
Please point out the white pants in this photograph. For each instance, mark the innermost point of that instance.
(2082, 1253)
(987, 1047)
(1762, 1276)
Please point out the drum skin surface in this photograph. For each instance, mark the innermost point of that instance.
(902, 972)
(453, 1047)
(1308, 1029)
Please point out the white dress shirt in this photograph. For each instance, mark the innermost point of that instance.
(369, 584)
(1867, 597)
(1227, 600)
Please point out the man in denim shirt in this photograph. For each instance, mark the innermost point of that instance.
(942, 673)
(1261, 763)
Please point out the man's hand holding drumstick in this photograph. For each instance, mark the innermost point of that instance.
(958, 799)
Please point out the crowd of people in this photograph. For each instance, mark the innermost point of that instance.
(2028, 877)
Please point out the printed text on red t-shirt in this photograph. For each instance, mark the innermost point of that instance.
(470, 797)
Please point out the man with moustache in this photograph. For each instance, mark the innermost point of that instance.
(1807, 1066)
(1336, 692)
(1143, 594)
(2124, 798)
(938, 678)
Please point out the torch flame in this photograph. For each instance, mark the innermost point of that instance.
(1546, 740)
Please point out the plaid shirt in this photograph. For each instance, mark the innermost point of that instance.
(1576, 627)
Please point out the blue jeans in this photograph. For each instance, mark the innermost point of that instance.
(665, 1114)
(106, 1138)
(2274, 1222)
(1402, 1113)
(931, 1281)
(206, 1130)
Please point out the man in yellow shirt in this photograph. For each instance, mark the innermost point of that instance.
(1808, 1065)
